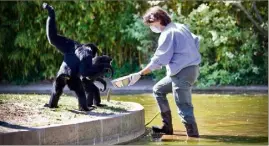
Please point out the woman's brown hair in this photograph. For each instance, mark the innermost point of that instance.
(156, 13)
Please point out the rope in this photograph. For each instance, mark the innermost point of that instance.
(108, 99)
(153, 118)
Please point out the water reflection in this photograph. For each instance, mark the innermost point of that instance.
(221, 119)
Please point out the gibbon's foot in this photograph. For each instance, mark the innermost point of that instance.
(100, 105)
(47, 105)
(86, 109)
(92, 107)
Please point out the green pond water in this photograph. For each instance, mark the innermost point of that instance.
(221, 119)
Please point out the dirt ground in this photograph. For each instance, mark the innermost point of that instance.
(21, 111)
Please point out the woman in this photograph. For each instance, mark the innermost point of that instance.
(178, 50)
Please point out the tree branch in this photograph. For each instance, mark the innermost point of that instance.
(257, 12)
(261, 30)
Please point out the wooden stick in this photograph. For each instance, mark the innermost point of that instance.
(108, 94)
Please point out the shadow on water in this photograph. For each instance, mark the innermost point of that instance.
(143, 138)
(236, 139)
(14, 126)
(148, 137)
(217, 139)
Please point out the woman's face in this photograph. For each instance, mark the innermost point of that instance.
(156, 27)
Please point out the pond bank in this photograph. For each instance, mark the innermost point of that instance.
(143, 86)
(24, 120)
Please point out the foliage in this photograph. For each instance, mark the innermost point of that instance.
(233, 51)
(25, 47)
(228, 49)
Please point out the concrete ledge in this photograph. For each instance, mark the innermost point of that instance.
(144, 86)
(106, 130)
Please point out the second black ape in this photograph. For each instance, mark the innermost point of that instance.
(92, 92)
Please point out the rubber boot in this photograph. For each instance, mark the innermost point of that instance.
(167, 127)
(192, 130)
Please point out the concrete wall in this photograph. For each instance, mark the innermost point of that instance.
(109, 130)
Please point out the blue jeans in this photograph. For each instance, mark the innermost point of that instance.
(180, 85)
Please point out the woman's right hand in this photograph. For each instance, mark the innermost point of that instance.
(134, 78)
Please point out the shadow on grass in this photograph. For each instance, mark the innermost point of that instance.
(78, 112)
(112, 108)
(92, 113)
(100, 113)
(14, 126)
